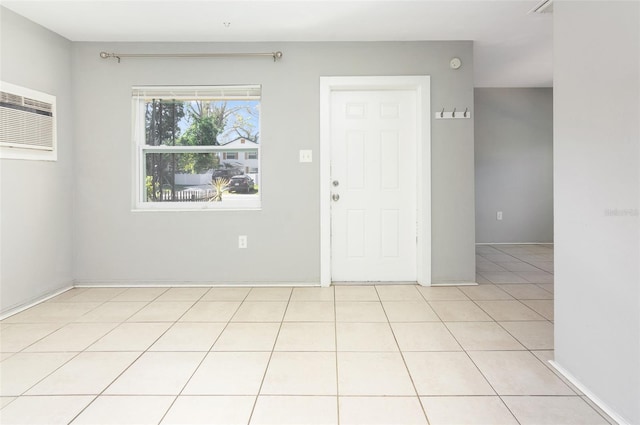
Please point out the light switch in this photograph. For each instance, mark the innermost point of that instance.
(306, 156)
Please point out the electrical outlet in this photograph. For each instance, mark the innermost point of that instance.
(242, 241)
(306, 156)
(499, 215)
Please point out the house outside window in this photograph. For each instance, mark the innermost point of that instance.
(191, 141)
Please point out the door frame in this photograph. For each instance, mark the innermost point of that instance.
(421, 85)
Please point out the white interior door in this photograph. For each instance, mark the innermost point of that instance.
(373, 185)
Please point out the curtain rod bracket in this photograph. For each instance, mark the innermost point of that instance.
(105, 55)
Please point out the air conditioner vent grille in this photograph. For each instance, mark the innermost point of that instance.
(37, 105)
(12, 99)
(25, 129)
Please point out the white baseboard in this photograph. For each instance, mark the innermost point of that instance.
(185, 284)
(455, 284)
(403, 283)
(514, 243)
(147, 284)
(370, 283)
(32, 303)
(602, 405)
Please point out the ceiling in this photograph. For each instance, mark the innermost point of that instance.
(513, 48)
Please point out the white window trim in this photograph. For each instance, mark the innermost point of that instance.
(252, 202)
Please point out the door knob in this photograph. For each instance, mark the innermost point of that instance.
(336, 183)
(335, 197)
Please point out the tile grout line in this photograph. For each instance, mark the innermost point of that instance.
(530, 350)
(35, 342)
(544, 289)
(600, 412)
(335, 337)
(140, 309)
(500, 325)
(255, 403)
(464, 350)
(206, 354)
(23, 394)
(505, 329)
(474, 363)
(496, 394)
(404, 361)
(105, 388)
(509, 333)
(521, 260)
(130, 364)
(514, 299)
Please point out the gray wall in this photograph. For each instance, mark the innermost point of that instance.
(597, 191)
(114, 244)
(514, 164)
(36, 196)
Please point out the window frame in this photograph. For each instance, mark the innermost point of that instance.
(140, 149)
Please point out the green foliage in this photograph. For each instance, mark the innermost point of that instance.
(149, 185)
(208, 120)
(202, 132)
(197, 163)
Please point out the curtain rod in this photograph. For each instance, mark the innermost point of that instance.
(104, 55)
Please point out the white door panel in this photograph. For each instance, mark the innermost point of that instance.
(373, 162)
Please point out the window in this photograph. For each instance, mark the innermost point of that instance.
(190, 143)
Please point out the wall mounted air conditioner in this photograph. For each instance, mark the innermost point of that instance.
(27, 124)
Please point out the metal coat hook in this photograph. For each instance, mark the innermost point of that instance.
(446, 115)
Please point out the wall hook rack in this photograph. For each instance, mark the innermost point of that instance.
(455, 114)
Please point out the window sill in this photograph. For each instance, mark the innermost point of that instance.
(200, 206)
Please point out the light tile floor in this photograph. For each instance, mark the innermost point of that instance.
(383, 354)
